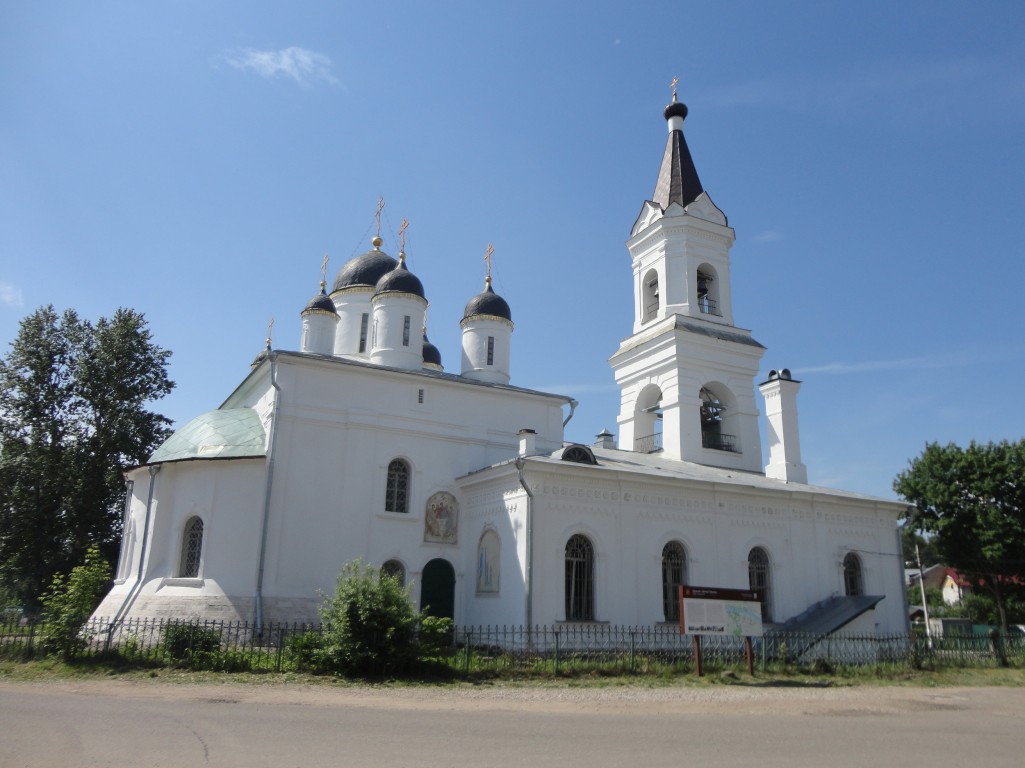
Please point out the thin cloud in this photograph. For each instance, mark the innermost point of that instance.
(901, 364)
(10, 295)
(301, 65)
(769, 236)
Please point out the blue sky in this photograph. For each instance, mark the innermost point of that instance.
(195, 160)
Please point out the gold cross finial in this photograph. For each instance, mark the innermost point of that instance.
(402, 235)
(380, 207)
(673, 86)
(323, 272)
(487, 258)
(270, 329)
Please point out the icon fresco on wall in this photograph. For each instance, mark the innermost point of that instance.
(442, 519)
(488, 563)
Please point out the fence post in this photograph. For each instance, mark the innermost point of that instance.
(466, 653)
(633, 649)
(556, 653)
(281, 647)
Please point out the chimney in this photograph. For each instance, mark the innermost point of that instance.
(780, 393)
(528, 442)
(605, 439)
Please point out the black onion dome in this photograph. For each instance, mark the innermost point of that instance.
(321, 302)
(400, 280)
(676, 109)
(364, 270)
(431, 354)
(488, 303)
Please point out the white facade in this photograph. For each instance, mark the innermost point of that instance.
(357, 446)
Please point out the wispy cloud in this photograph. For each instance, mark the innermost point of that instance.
(10, 295)
(900, 364)
(769, 236)
(303, 66)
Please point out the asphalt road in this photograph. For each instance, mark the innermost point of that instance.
(113, 723)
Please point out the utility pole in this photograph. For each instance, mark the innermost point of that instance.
(925, 603)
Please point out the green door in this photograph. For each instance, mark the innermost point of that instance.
(438, 589)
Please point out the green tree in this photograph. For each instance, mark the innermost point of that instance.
(371, 627)
(973, 501)
(70, 601)
(73, 415)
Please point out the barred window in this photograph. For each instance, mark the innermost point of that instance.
(396, 570)
(192, 548)
(674, 574)
(491, 350)
(405, 331)
(760, 579)
(396, 496)
(579, 579)
(852, 581)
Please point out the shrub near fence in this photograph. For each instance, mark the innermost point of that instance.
(567, 649)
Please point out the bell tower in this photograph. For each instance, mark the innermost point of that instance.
(686, 374)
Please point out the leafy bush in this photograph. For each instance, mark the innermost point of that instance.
(70, 601)
(371, 628)
(185, 640)
(305, 652)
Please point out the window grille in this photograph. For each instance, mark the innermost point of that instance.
(363, 323)
(579, 579)
(491, 350)
(405, 331)
(852, 580)
(396, 570)
(674, 574)
(760, 580)
(397, 490)
(192, 548)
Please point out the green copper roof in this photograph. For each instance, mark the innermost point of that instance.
(228, 433)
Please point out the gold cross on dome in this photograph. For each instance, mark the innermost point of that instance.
(380, 207)
(487, 258)
(323, 271)
(270, 332)
(402, 234)
(673, 86)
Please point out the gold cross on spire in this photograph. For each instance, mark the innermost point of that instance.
(380, 207)
(487, 258)
(270, 330)
(323, 272)
(673, 86)
(402, 235)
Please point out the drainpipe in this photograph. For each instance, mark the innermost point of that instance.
(137, 587)
(520, 462)
(267, 491)
(572, 408)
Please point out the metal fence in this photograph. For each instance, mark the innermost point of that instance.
(563, 649)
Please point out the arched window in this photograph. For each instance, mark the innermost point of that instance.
(714, 418)
(650, 299)
(853, 584)
(396, 495)
(192, 548)
(760, 579)
(648, 420)
(708, 291)
(488, 563)
(674, 574)
(579, 579)
(396, 570)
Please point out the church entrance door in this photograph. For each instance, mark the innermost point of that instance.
(438, 590)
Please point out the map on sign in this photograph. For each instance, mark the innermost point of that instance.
(708, 615)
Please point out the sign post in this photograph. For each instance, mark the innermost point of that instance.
(720, 612)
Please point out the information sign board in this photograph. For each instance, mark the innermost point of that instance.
(721, 612)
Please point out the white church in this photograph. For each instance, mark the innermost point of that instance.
(361, 445)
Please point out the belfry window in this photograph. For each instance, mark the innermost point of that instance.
(853, 584)
(579, 579)
(708, 294)
(674, 575)
(363, 323)
(192, 548)
(396, 496)
(760, 579)
(713, 416)
(650, 297)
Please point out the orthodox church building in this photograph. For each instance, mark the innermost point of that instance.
(362, 445)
